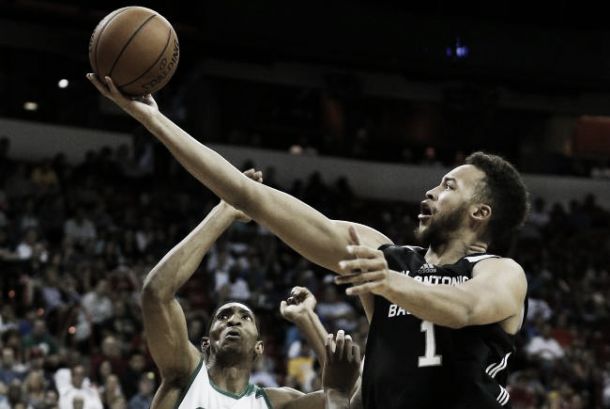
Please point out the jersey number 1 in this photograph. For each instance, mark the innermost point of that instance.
(429, 358)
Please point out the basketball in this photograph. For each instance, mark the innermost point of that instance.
(136, 47)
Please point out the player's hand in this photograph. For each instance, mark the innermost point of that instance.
(138, 107)
(238, 215)
(300, 303)
(368, 271)
(342, 364)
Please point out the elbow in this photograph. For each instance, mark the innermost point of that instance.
(153, 290)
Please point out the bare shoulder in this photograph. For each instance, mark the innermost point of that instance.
(369, 236)
(500, 265)
(501, 270)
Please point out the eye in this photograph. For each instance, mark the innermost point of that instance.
(223, 316)
(246, 317)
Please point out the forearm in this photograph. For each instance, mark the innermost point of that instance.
(314, 332)
(180, 263)
(333, 399)
(440, 304)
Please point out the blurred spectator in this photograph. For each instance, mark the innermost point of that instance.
(544, 346)
(79, 228)
(10, 369)
(539, 215)
(264, 373)
(72, 384)
(300, 367)
(111, 392)
(44, 177)
(28, 219)
(236, 288)
(40, 339)
(334, 312)
(146, 390)
(97, 305)
(136, 368)
(31, 248)
(34, 388)
(111, 352)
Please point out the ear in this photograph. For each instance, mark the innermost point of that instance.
(481, 212)
(205, 343)
(259, 348)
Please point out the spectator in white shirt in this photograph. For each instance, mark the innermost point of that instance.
(79, 228)
(544, 347)
(72, 385)
(97, 304)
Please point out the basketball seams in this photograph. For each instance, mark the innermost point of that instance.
(99, 35)
(129, 41)
(169, 37)
(133, 52)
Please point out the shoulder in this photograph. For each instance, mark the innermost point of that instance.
(505, 264)
(502, 268)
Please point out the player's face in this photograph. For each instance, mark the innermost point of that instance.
(234, 330)
(447, 206)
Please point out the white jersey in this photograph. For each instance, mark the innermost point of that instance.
(201, 393)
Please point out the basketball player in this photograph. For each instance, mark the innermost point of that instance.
(217, 376)
(443, 318)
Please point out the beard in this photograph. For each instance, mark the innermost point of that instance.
(438, 232)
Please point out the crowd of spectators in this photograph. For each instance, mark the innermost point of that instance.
(76, 242)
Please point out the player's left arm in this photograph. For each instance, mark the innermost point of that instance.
(495, 293)
(289, 398)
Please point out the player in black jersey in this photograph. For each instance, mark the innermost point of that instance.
(442, 319)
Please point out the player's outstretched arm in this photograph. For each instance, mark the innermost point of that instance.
(306, 230)
(299, 309)
(164, 320)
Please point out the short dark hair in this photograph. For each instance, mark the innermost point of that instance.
(503, 190)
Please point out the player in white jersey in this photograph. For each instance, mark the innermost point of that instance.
(217, 376)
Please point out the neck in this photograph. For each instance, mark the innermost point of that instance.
(454, 249)
(233, 379)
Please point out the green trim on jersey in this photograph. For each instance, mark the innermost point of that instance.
(262, 392)
(188, 385)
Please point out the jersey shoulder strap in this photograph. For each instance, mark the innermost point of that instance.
(479, 257)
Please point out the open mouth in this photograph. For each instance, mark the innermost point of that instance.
(233, 334)
(425, 211)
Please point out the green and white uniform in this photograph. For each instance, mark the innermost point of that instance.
(201, 393)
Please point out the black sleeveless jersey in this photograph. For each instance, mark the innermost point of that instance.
(414, 364)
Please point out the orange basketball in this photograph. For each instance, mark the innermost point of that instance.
(136, 47)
